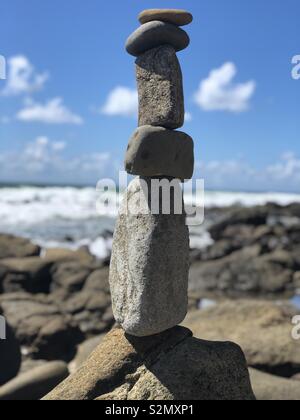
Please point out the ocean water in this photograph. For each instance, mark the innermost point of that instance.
(68, 216)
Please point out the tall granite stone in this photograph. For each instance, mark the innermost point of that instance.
(160, 88)
(150, 261)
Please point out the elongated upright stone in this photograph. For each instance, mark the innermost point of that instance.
(150, 262)
(160, 88)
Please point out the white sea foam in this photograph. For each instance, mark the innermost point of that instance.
(67, 216)
(246, 199)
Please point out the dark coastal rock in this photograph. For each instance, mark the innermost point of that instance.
(262, 329)
(13, 247)
(255, 216)
(90, 308)
(155, 151)
(25, 274)
(40, 326)
(218, 250)
(169, 366)
(56, 255)
(87, 309)
(154, 34)
(159, 79)
(10, 355)
(149, 282)
(69, 277)
(30, 364)
(175, 16)
(98, 280)
(245, 272)
(35, 384)
(273, 388)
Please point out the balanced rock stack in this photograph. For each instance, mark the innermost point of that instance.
(150, 258)
(148, 356)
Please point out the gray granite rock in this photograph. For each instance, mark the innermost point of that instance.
(174, 16)
(150, 263)
(155, 151)
(154, 34)
(160, 88)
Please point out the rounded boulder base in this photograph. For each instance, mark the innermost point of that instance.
(156, 151)
(175, 16)
(170, 366)
(154, 34)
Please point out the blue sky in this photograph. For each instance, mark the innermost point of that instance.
(68, 105)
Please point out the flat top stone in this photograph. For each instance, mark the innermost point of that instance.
(176, 16)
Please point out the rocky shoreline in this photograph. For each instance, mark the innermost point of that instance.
(57, 302)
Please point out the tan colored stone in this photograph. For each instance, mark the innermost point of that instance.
(62, 254)
(116, 357)
(168, 366)
(83, 352)
(262, 329)
(273, 388)
(176, 16)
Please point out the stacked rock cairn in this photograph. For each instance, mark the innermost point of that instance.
(150, 258)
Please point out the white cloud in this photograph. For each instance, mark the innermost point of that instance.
(59, 146)
(43, 160)
(188, 117)
(52, 112)
(22, 77)
(121, 101)
(237, 174)
(219, 93)
(288, 169)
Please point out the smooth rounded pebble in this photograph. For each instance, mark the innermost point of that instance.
(154, 34)
(176, 16)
